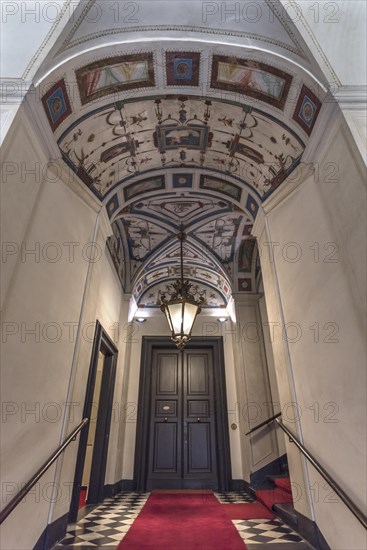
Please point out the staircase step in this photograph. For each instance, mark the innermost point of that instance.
(277, 476)
(286, 512)
(269, 497)
(283, 483)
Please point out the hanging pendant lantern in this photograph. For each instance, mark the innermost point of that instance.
(182, 307)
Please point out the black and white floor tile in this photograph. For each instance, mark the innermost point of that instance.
(233, 497)
(265, 531)
(106, 525)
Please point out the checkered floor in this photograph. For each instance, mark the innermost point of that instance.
(233, 497)
(106, 525)
(261, 531)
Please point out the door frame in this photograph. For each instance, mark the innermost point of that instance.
(215, 343)
(101, 342)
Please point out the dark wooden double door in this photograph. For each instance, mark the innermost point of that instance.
(182, 448)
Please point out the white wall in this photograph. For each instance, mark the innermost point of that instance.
(48, 293)
(315, 285)
(274, 391)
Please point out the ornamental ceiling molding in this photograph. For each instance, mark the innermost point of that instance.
(183, 29)
(69, 43)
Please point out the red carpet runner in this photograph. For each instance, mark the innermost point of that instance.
(284, 483)
(249, 510)
(182, 522)
(268, 497)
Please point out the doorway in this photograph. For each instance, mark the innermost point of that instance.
(182, 429)
(93, 445)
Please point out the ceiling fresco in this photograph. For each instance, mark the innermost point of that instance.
(178, 139)
(219, 253)
(128, 139)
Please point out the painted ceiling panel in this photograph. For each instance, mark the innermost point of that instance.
(129, 138)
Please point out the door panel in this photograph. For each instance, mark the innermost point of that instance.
(182, 442)
(200, 461)
(199, 450)
(165, 451)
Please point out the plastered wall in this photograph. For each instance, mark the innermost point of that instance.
(56, 280)
(314, 284)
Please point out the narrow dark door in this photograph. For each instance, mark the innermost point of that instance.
(182, 440)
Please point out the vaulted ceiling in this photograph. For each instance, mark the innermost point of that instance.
(174, 124)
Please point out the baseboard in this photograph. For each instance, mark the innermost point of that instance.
(54, 532)
(307, 528)
(128, 485)
(112, 489)
(239, 485)
(273, 468)
(122, 486)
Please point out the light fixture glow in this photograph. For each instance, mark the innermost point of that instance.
(182, 307)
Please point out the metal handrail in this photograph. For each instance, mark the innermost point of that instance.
(333, 484)
(264, 423)
(28, 486)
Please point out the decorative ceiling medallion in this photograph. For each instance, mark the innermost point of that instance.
(245, 285)
(182, 180)
(251, 78)
(115, 74)
(182, 68)
(56, 104)
(307, 110)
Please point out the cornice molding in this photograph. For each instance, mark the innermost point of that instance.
(246, 298)
(351, 97)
